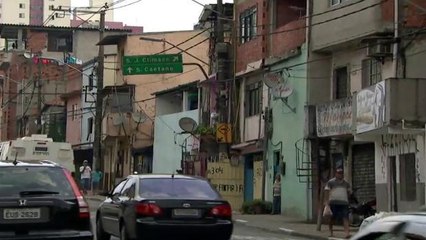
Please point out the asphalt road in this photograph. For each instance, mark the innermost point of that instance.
(241, 232)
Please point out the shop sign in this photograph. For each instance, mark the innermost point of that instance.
(370, 108)
(334, 118)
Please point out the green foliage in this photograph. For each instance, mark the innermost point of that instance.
(256, 206)
(204, 130)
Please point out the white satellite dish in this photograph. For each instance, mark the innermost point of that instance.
(139, 117)
(282, 90)
(188, 124)
(272, 79)
(118, 120)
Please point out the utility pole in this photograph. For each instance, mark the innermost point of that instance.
(97, 152)
(39, 98)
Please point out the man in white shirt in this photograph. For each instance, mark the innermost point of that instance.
(85, 174)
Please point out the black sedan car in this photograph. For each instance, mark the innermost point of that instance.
(164, 207)
(41, 200)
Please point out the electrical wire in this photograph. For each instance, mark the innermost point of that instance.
(123, 6)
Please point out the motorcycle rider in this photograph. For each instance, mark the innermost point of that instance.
(337, 192)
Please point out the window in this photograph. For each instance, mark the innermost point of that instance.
(337, 2)
(91, 82)
(22, 15)
(341, 83)
(253, 96)
(248, 25)
(192, 100)
(119, 187)
(60, 42)
(14, 180)
(371, 72)
(407, 177)
(74, 112)
(22, 5)
(159, 188)
(89, 128)
(129, 189)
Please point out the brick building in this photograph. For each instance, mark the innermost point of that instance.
(36, 67)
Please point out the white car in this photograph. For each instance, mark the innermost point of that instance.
(402, 226)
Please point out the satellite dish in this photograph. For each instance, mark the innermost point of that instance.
(272, 79)
(139, 117)
(282, 90)
(187, 124)
(117, 120)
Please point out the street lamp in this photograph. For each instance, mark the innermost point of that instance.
(183, 50)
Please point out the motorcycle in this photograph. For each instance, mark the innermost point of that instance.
(360, 211)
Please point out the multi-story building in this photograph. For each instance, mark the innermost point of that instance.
(41, 66)
(33, 12)
(172, 105)
(365, 80)
(130, 107)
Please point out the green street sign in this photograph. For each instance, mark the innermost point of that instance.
(152, 64)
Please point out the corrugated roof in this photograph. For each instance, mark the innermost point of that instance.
(177, 88)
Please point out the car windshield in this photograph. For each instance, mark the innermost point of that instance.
(177, 188)
(36, 180)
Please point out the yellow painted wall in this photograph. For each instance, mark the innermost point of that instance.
(229, 181)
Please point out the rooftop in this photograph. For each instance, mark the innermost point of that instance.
(8, 30)
(182, 87)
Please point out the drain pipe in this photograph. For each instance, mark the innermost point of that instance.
(396, 39)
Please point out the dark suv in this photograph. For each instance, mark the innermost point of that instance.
(41, 200)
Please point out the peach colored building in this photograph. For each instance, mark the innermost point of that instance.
(130, 110)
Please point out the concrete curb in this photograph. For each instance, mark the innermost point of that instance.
(284, 231)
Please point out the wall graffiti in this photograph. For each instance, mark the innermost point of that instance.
(229, 188)
(395, 145)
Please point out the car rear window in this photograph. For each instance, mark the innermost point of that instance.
(161, 188)
(18, 179)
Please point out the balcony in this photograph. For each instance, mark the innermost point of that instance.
(391, 106)
(334, 118)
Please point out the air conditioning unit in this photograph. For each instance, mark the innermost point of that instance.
(379, 49)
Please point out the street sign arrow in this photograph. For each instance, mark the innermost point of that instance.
(130, 69)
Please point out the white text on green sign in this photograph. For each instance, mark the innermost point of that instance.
(152, 59)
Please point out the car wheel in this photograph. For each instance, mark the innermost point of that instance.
(100, 232)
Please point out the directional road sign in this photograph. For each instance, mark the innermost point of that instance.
(152, 64)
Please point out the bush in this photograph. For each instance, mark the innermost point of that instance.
(256, 206)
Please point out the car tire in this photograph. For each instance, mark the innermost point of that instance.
(100, 232)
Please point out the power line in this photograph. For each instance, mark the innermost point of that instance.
(129, 4)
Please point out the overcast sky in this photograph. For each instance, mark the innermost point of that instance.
(158, 15)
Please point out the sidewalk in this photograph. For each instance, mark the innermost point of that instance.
(277, 224)
(289, 226)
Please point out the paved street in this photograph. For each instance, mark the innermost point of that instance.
(240, 232)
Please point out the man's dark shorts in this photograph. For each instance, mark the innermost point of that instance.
(340, 211)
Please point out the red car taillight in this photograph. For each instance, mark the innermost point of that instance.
(84, 211)
(148, 209)
(223, 211)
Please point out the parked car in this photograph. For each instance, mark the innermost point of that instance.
(164, 206)
(41, 200)
(402, 226)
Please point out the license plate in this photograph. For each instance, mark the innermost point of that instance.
(21, 213)
(186, 212)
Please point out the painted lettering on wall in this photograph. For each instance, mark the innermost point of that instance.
(334, 118)
(229, 188)
(215, 170)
